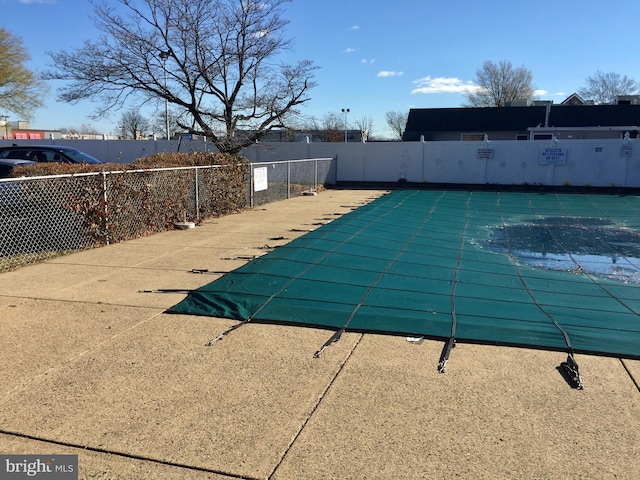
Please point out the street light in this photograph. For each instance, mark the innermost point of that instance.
(6, 125)
(164, 55)
(345, 111)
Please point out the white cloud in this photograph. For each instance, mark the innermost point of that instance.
(354, 27)
(539, 93)
(387, 73)
(429, 85)
(261, 33)
(349, 50)
(364, 60)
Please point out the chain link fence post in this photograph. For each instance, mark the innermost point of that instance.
(106, 207)
(42, 217)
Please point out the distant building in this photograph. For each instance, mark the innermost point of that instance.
(337, 136)
(30, 134)
(572, 119)
(575, 99)
(628, 100)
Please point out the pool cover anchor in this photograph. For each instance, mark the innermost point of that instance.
(226, 332)
(571, 373)
(205, 271)
(444, 356)
(167, 290)
(334, 339)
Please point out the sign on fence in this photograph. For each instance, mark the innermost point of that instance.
(625, 151)
(485, 153)
(260, 180)
(553, 156)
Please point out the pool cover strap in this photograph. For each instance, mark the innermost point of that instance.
(550, 271)
(570, 367)
(451, 342)
(336, 336)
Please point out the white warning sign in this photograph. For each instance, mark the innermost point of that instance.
(260, 180)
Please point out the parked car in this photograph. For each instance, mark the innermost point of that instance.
(6, 165)
(46, 153)
(10, 192)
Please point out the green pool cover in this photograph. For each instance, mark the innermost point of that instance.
(542, 270)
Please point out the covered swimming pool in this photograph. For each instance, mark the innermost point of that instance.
(541, 270)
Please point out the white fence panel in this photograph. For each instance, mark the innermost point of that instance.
(392, 161)
(516, 163)
(453, 162)
(276, 152)
(603, 163)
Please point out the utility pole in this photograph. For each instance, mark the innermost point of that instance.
(6, 125)
(345, 111)
(164, 55)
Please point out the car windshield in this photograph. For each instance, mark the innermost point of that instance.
(78, 156)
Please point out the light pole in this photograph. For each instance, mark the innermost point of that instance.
(6, 125)
(164, 55)
(345, 111)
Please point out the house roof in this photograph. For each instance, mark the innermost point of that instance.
(426, 121)
(573, 99)
(594, 115)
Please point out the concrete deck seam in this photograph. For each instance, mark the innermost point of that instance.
(633, 379)
(127, 267)
(78, 355)
(84, 302)
(131, 456)
(315, 407)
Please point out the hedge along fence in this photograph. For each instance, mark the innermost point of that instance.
(145, 200)
(61, 207)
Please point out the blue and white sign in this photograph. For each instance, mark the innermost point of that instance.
(553, 156)
(625, 151)
(485, 153)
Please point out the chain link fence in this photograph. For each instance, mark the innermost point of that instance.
(274, 181)
(43, 217)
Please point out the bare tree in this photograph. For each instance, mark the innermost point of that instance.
(214, 61)
(329, 129)
(159, 124)
(134, 124)
(499, 84)
(78, 132)
(397, 122)
(365, 125)
(20, 89)
(605, 87)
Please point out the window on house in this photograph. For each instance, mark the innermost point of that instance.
(473, 137)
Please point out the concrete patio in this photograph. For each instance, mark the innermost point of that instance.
(92, 366)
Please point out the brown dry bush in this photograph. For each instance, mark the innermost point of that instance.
(120, 204)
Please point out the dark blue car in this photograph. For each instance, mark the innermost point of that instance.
(46, 153)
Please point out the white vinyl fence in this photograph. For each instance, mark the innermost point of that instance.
(593, 162)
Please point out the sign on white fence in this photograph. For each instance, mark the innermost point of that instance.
(553, 156)
(625, 151)
(485, 153)
(260, 180)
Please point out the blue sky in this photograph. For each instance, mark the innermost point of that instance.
(376, 56)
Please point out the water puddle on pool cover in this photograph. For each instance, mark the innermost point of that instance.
(575, 244)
